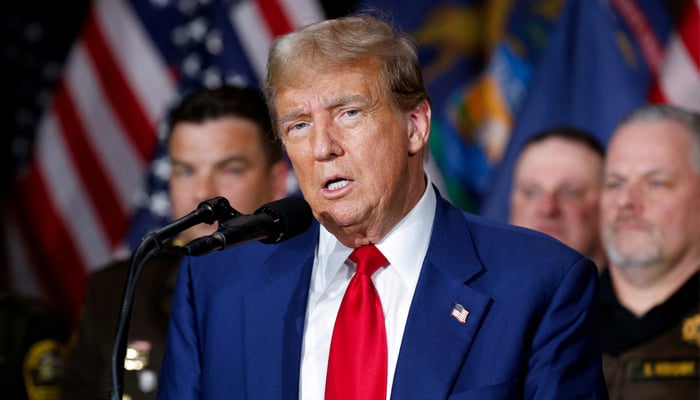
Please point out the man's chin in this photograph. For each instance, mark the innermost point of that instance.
(637, 254)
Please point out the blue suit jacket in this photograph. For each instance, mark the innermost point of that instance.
(238, 317)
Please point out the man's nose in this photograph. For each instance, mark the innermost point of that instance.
(325, 140)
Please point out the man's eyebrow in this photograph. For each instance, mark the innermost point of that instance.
(290, 116)
(238, 158)
(651, 173)
(331, 103)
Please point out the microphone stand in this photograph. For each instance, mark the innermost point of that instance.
(208, 211)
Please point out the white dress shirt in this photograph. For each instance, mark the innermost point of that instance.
(404, 247)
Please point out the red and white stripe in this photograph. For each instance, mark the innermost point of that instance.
(257, 23)
(678, 81)
(72, 204)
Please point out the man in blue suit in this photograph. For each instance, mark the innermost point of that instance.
(471, 309)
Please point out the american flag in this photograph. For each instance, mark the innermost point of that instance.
(678, 78)
(460, 313)
(72, 203)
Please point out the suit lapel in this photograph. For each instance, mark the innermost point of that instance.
(435, 343)
(274, 315)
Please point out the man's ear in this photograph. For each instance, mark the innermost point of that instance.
(419, 127)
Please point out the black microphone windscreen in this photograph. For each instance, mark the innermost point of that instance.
(292, 215)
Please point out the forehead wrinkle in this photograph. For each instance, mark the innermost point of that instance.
(322, 87)
(344, 100)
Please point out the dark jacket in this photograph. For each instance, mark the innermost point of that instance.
(656, 356)
(88, 369)
(32, 346)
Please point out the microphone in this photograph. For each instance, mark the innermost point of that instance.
(208, 211)
(272, 223)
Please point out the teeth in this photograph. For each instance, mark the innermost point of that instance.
(337, 185)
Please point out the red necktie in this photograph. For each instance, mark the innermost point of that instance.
(357, 365)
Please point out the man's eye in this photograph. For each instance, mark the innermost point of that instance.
(233, 170)
(530, 191)
(298, 126)
(571, 193)
(612, 185)
(181, 171)
(658, 183)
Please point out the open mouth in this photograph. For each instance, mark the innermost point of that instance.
(336, 184)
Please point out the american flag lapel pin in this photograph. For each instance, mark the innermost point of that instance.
(460, 313)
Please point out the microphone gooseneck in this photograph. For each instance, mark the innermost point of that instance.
(208, 211)
(272, 223)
